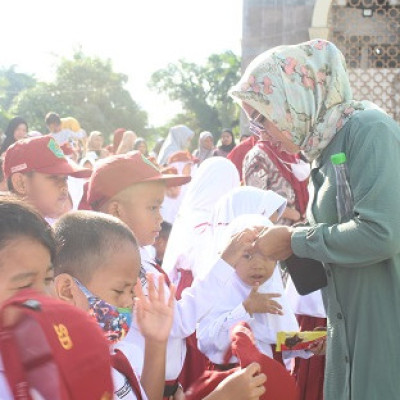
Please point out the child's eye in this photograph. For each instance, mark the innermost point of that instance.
(26, 286)
(247, 256)
(119, 292)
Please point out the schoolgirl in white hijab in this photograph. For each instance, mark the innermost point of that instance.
(213, 332)
(190, 236)
(178, 139)
(244, 200)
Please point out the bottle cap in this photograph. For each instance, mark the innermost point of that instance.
(339, 158)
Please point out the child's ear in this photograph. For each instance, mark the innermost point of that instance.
(20, 184)
(114, 209)
(65, 288)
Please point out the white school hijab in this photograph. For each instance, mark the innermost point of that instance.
(178, 139)
(190, 236)
(275, 323)
(239, 201)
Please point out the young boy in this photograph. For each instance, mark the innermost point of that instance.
(132, 189)
(36, 171)
(63, 130)
(96, 269)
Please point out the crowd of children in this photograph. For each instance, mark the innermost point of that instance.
(158, 274)
(100, 260)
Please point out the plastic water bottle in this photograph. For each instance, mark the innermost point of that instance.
(344, 197)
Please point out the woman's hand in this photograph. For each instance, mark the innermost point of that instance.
(275, 243)
(240, 243)
(154, 315)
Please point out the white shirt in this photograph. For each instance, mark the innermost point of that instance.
(5, 391)
(213, 333)
(310, 304)
(65, 135)
(195, 303)
(122, 388)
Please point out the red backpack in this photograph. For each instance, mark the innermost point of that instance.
(280, 384)
(53, 349)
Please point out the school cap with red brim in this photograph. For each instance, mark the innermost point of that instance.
(116, 173)
(40, 154)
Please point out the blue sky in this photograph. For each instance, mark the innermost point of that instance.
(138, 36)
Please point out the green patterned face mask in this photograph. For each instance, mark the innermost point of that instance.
(114, 321)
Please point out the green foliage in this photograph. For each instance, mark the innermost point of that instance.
(11, 84)
(202, 90)
(88, 89)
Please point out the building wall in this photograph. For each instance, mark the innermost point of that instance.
(270, 23)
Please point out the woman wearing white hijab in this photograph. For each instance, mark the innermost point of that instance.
(206, 146)
(189, 240)
(178, 139)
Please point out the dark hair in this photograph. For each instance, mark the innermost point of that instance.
(19, 219)
(166, 228)
(52, 118)
(228, 148)
(9, 133)
(138, 142)
(85, 240)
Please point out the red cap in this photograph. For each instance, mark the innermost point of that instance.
(48, 338)
(116, 173)
(40, 154)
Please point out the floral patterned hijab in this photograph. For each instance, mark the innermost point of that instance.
(304, 90)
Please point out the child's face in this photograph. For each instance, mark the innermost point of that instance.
(48, 193)
(115, 280)
(24, 263)
(54, 128)
(254, 268)
(139, 208)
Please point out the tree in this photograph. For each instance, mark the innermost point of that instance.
(11, 84)
(88, 89)
(202, 90)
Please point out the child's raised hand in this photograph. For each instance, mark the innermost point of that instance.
(245, 384)
(240, 243)
(262, 302)
(154, 314)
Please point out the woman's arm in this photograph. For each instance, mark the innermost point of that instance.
(373, 235)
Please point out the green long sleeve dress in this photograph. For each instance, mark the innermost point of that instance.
(361, 257)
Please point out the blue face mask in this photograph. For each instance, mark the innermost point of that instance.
(114, 321)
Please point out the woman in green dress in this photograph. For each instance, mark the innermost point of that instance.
(300, 95)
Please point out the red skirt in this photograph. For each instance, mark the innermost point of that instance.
(195, 362)
(310, 373)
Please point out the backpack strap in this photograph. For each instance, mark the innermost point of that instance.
(122, 365)
(12, 362)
